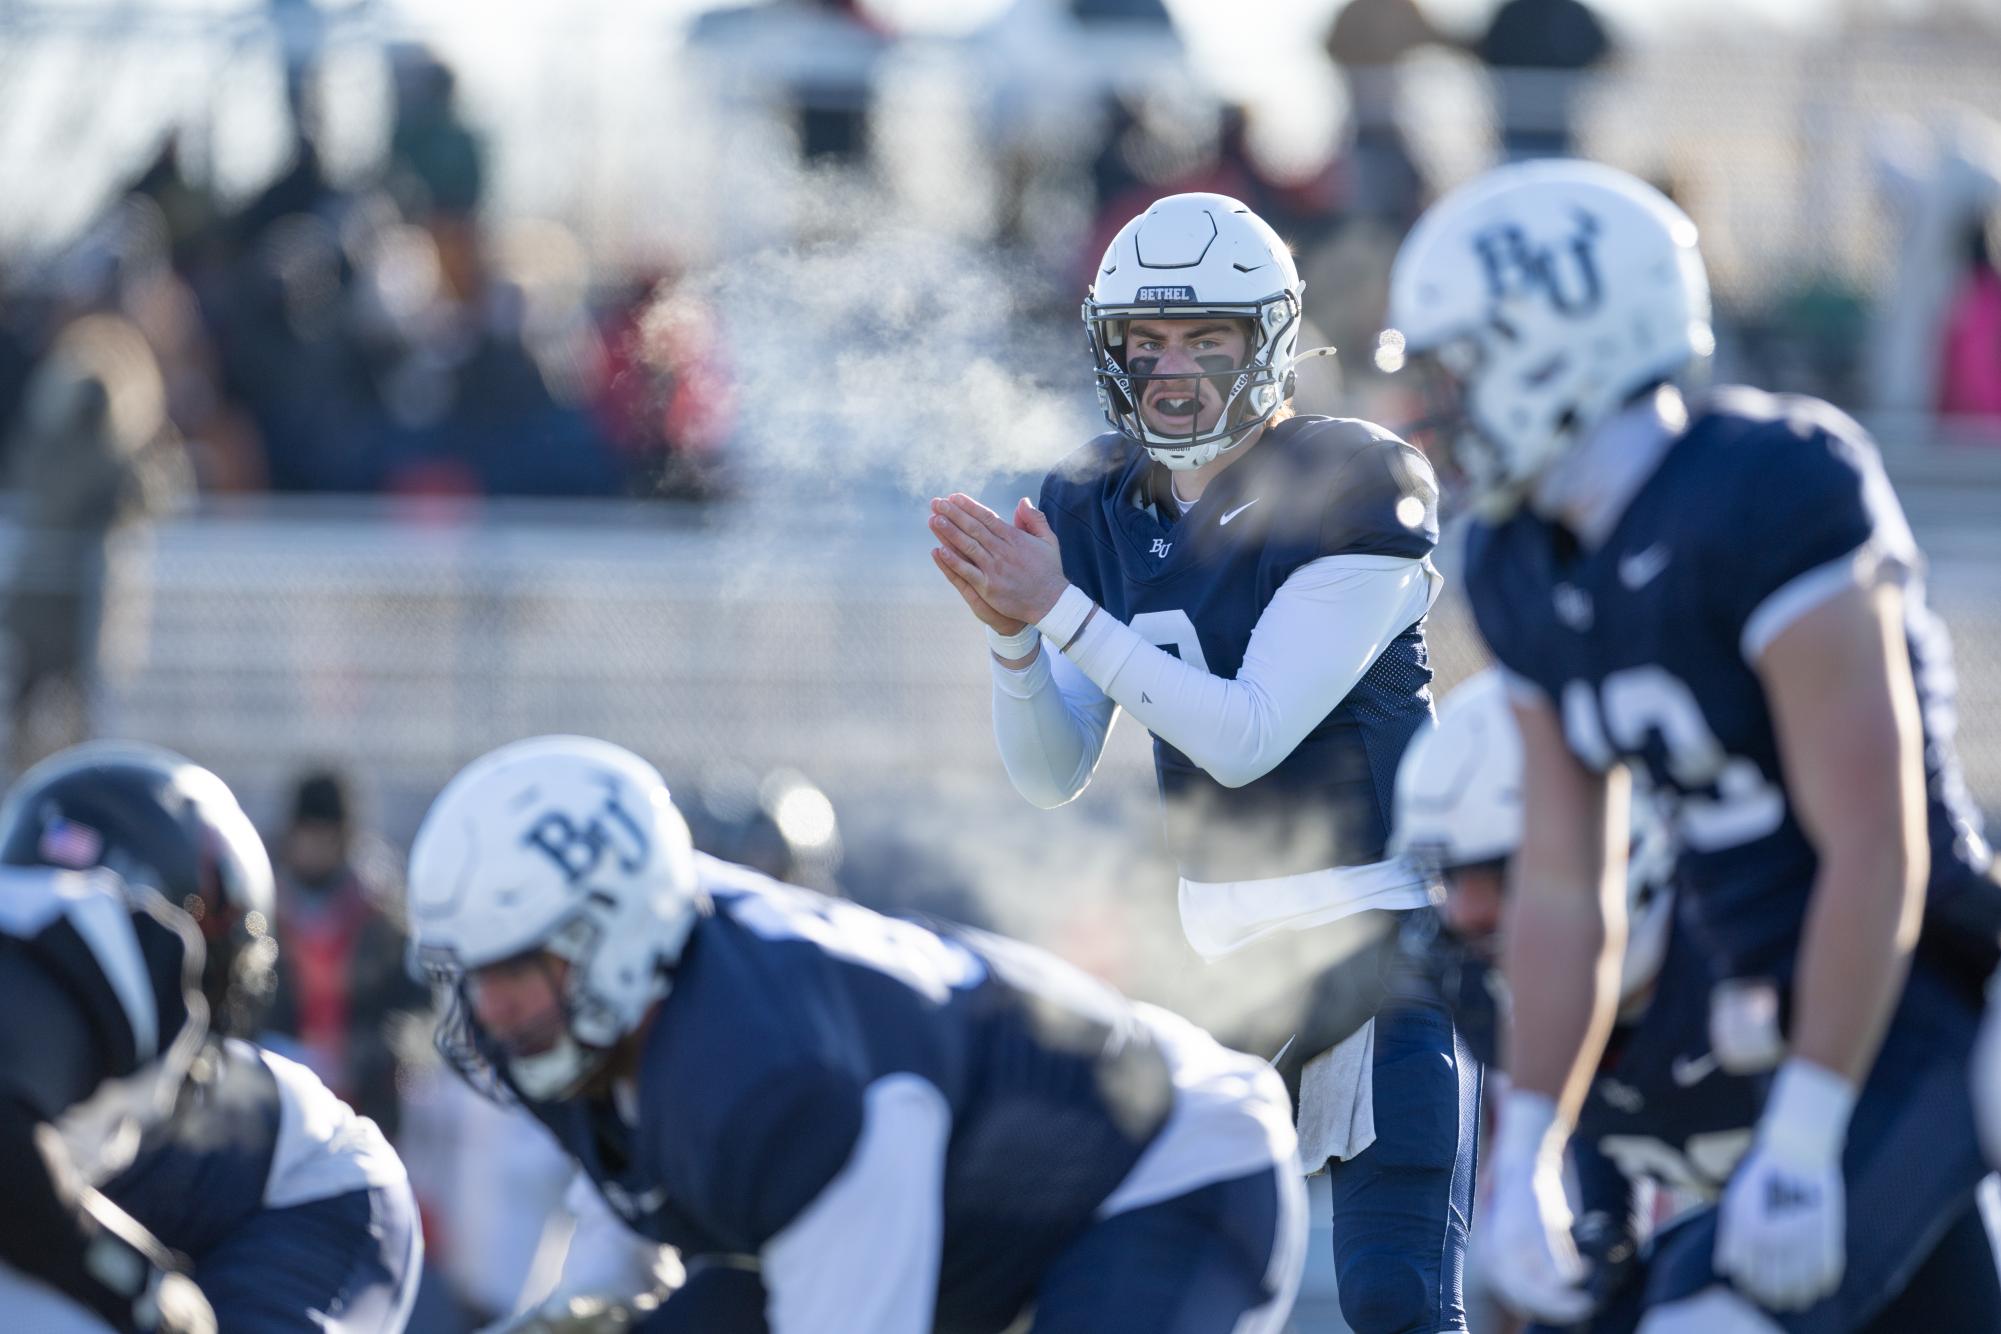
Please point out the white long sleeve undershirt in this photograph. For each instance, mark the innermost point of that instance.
(864, 1254)
(1316, 638)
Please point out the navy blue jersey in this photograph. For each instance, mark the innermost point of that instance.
(787, 1006)
(202, 1174)
(1646, 644)
(1196, 585)
(1660, 1107)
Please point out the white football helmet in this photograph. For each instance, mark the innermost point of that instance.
(1459, 803)
(564, 844)
(1187, 256)
(1549, 294)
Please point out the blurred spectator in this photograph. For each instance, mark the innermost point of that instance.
(437, 165)
(93, 459)
(188, 208)
(1970, 351)
(1119, 11)
(283, 322)
(831, 101)
(302, 188)
(1367, 42)
(1806, 339)
(665, 399)
(345, 994)
(1935, 180)
(1539, 51)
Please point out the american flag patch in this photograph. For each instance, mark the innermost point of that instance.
(67, 843)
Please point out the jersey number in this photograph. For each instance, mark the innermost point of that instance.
(1639, 702)
(1172, 630)
(1703, 1169)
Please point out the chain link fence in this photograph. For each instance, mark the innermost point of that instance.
(793, 634)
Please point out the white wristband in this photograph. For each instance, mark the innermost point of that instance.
(1806, 1113)
(1067, 617)
(1014, 647)
(1528, 1130)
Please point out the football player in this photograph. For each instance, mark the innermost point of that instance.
(100, 1017)
(1722, 591)
(1660, 1112)
(294, 1212)
(895, 1128)
(1251, 584)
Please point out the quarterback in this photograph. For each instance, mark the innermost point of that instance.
(1251, 585)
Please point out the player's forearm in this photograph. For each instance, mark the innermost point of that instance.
(1846, 713)
(1049, 744)
(1561, 961)
(1318, 636)
(1855, 949)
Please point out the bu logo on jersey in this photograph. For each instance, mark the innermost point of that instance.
(1566, 271)
(578, 849)
(1161, 546)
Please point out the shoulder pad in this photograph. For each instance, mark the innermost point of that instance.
(1382, 497)
(1091, 463)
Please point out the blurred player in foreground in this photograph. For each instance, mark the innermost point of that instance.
(100, 1017)
(842, 1121)
(294, 1213)
(1251, 585)
(1661, 1113)
(1723, 592)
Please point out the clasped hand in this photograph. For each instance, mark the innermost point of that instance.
(1010, 574)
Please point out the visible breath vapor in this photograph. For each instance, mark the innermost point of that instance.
(875, 365)
(1091, 881)
(891, 355)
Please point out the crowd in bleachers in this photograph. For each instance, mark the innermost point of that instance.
(396, 337)
(385, 337)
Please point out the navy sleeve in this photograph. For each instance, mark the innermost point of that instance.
(1385, 503)
(773, 1150)
(1810, 492)
(1493, 611)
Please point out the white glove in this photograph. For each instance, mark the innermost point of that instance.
(1987, 1075)
(580, 1315)
(1781, 1231)
(174, 1305)
(1531, 1258)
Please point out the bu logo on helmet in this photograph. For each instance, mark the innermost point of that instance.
(579, 849)
(1566, 272)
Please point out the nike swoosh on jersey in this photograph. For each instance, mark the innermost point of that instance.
(1688, 1071)
(1638, 570)
(1238, 510)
